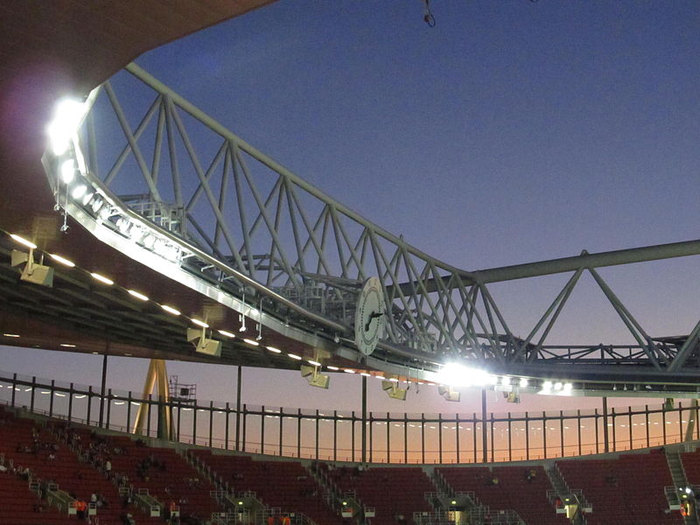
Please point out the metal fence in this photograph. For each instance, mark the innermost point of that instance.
(338, 435)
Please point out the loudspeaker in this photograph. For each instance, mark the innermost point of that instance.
(319, 380)
(209, 347)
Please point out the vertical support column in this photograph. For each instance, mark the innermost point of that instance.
(31, 402)
(211, 421)
(484, 437)
(388, 439)
(335, 435)
(405, 437)
(243, 432)
(318, 424)
(510, 440)
(238, 410)
(352, 436)
(70, 403)
(606, 438)
(457, 435)
(544, 433)
(646, 423)
(156, 376)
(422, 437)
(440, 438)
(364, 419)
(299, 433)
(14, 388)
(629, 420)
(692, 420)
(281, 436)
(597, 432)
(614, 430)
(262, 430)
(103, 386)
(578, 429)
(51, 396)
(561, 431)
(226, 429)
(663, 421)
(109, 407)
(527, 436)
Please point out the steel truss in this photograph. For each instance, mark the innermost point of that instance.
(283, 245)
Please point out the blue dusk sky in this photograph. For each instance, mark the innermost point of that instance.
(513, 131)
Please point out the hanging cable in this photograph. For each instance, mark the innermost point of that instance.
(428, 17)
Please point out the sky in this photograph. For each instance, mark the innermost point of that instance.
(513, 131)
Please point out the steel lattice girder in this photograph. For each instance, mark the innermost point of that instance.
(244, 220)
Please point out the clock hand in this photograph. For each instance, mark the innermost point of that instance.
(372, 317)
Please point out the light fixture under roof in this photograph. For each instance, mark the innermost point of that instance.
(62, 260)
(251, 342)
(102, 279)
(170, 309)
(138, 295)
(348, 370)
(334, 368)
(294, 356)
(68, 114)
(67, 345)
(23, 241)
(10, 335)
(274, 350)
(312, 362)
(199, 322)
(226, 334)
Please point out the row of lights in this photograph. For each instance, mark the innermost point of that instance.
(72, 174)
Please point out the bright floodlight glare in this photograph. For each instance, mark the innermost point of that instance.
(23, 241)
(62, 128)
(568, 387)
(78, 191)
(102, 279)
(68, 171)
(505, 381)
(170, 309)
(558, 385)
(523, 382)
(138, 295)
(457, 375)
(62, 260)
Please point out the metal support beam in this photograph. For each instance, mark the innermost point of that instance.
(156, 375)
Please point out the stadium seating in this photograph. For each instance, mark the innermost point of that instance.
(628, 490)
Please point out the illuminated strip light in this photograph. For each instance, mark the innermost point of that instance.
(274, 350)
(251, 342)
(294, 356)
(67, 345)
(138, 295)
(62, 260)
(23, 241)
(102, 279)
(11, 335)
(170, 309)
(365, 374)
(227, 334)
(312, 362)
(348, 370)
(334, 368)
(199, 322)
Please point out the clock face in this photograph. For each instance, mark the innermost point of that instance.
(370, 316)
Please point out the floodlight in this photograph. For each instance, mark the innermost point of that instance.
(68, 171)
(455, 374)
(393, 390)
(202, 344)
(313, 376)
(448, 393)
(32, 272)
